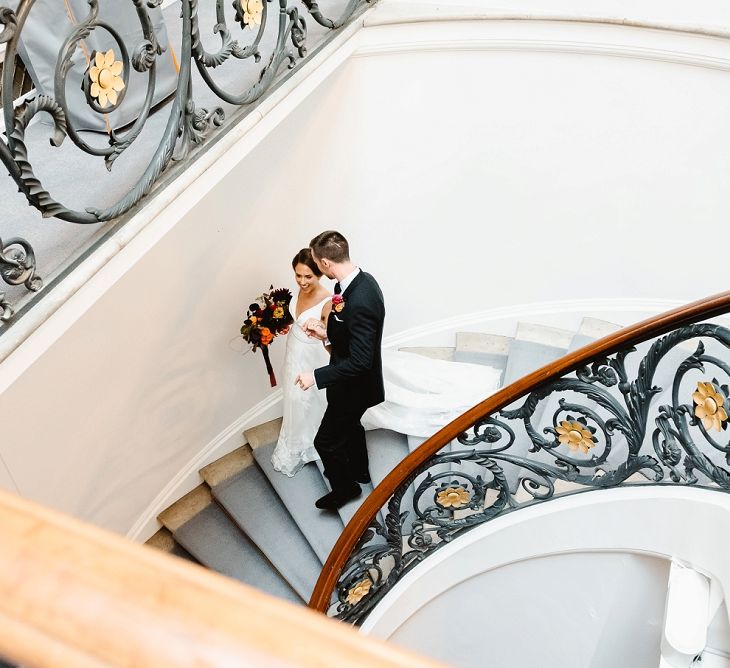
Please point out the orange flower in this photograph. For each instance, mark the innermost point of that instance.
(266, 336)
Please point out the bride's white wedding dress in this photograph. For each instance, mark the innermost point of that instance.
(421, 394)
(303, 411)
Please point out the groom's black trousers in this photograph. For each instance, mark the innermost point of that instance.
(340, 441)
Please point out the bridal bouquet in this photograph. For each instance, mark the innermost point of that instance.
(266, 318)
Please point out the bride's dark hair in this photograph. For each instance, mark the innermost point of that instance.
(304, 256)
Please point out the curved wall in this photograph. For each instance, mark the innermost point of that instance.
(477, 166)
(598, 609)
(579, 580)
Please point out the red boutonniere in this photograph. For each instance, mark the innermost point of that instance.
(338, 303)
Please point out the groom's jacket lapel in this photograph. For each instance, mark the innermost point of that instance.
(356, 335)
(339, 318)
(353, 284)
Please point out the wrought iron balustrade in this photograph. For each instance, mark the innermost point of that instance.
(271, 32)
(648, 405)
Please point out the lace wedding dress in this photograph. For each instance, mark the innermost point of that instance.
(421, 395)
(303, 411)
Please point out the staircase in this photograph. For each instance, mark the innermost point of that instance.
(252, 523)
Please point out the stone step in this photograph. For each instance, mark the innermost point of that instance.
(533, 347)
(590, 330)
(479, 348)
(263, 434)
(386, 449)
(164, 541)
(434, 352)
(216, 542)
(227, 466)
(414, 442)
(297, 493)
(251, 501)
(186, 508)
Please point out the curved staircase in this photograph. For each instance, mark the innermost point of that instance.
(259, 526)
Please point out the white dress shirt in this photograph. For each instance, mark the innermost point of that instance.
(345, 282)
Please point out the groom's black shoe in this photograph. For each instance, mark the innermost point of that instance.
(363, 478)
(338, 498)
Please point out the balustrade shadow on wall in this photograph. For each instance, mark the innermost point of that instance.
(227, 56)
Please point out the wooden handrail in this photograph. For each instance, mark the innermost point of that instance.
(703, 309)
(76, 596)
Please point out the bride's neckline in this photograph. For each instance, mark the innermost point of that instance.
(296, 306)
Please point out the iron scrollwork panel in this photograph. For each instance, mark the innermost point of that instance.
(608, 427)
(17, 267)
(106, 80)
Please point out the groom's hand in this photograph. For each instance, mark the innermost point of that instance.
(315, 329)
(304, 380)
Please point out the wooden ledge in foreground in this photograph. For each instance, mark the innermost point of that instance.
(74, 595)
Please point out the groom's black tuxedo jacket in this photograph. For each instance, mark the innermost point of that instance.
(355, 371)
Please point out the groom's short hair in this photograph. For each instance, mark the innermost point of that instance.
(332, 246)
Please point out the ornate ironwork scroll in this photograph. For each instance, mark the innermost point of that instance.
(608, 424)
(107, 75)
(17, 267)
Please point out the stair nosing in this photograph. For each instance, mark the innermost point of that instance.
(482, 342)
(553, 337)
(185, 508)
(597, 328)
(263, 434)
(227, 466)
(162, 540)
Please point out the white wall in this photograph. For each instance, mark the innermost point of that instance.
(474, 165)
(510, 177)
(594, 609)
(707, 15)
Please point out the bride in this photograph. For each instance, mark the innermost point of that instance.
(421, 394)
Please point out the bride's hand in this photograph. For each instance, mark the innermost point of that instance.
(315, 329)
(304, 380)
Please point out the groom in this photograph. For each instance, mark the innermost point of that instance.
(354, 377)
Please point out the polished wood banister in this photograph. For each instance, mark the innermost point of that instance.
(76, 596)
(645, 330)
